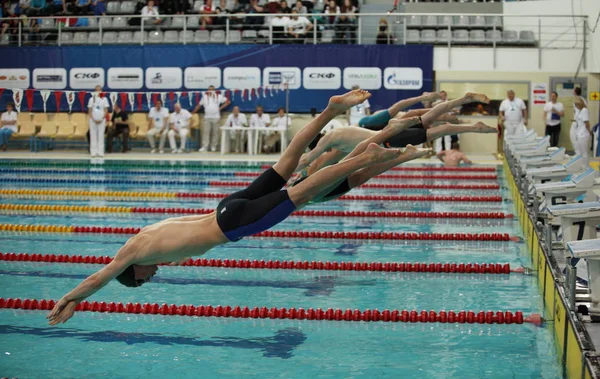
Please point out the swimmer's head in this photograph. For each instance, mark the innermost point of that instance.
(455, 146)
(281, 112)
(136, 275)
(443, 95)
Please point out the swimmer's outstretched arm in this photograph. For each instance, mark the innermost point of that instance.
(64, 309)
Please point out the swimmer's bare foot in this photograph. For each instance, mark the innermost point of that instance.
(476, 97)
(381, 154)
(411, 152)
(431, 96)
(346, 101)
(483, 128)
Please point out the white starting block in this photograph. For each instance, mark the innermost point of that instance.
(578, 223)
(567, 192)
(531, 148)
(588, 251)
(528, 136)
(556, 172)
(542, 160)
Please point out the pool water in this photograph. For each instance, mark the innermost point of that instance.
(132, 346)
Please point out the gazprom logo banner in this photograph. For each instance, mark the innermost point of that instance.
(408, 78)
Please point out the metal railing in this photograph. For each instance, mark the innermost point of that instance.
(542, 32)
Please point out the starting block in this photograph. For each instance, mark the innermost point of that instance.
(588, 250)
(543, 160)
(555, 173)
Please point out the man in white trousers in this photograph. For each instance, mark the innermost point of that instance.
(178, 125)
(237, 120)
(158, 118)
(97, 112)
(513, 113)
(580, 131)
(213, 104)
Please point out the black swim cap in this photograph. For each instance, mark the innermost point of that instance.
(127, 278)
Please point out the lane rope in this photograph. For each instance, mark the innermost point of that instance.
(48, 208)
(431, 267)
(192, 165)
(410, 236)
(405, 316)
(121, 195)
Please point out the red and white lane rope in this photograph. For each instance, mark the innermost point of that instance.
(330, 314)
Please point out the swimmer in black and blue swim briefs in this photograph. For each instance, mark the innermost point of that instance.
(263, 204)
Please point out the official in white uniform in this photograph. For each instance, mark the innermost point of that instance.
(513, 113)
(97, 112)
(260, 120)
(8, 125)
(280, 124)
(237, 120)
(158, 118)
(213, 104)
(580, 131)
(553, 112)
(179, 125)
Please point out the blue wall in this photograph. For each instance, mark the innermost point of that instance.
(222, 56)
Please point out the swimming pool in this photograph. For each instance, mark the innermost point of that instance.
(134, 345)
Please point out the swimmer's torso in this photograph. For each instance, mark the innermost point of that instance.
(452, 158)
(174, 240)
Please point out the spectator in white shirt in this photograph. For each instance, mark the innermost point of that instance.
(298, 27)
(8, 125)
(553, 112)
(513, 114)
(280, 124)
(213, 104)
(179, 123)
(260, 120)
(237, 120)
(279, 27)
(580, 130)
(158, 118)
(97, 112)
(150, 14)
(357, 112)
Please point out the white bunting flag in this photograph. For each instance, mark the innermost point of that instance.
(113, 99)
(131, 98)
(45, 95)
(149, 99)
(178, 94)
(70, 99)
(18, 99)
(163, 97)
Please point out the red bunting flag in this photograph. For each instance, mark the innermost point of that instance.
(81, 96)
(228, 95)
(28, 95)
(139, 100)
(58, 95)
(172, 97)
(154, 98)
(197, 97)
(123, 96)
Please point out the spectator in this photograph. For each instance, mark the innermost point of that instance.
(37, 8)
(298, 27)
(300, 8)
(237, 120)
(345, 25)
(513, 114)
(383, 36)
(213, 104)
(34, 35)
(260, 120)
(331, 11)
(283, 6)
(177, 6)
(279, 27)
(219, 22)
(179, 124)
(57, 7)
(357, 112)
(119, 125)
(157, 121)
(24, 6)
(240, 6)
(150, 13)
(282, 122)
(97, 112)
(208, 9)
(4, 24)
(254, 22)
(81, 7)
(99, 8)
(553, 111)
(8, 125)
(580, 130)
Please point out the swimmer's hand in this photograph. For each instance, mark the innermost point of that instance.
(62, 311)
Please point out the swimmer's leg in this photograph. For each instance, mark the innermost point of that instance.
(322, 179)
(403, 104)
(430, 117)
(362, 176)
(288, 162)
(450, 129)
